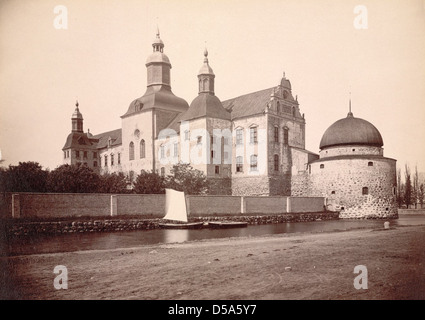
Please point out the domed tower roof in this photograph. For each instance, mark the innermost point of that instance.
(206, 104)
(158, 55)
(77, 114)
(206, 69)
(351, 131)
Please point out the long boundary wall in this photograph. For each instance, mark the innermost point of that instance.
(62, 205)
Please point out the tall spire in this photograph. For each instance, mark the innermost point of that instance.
(350, 114)
(157, 44)
(77, 119)
(206, 76)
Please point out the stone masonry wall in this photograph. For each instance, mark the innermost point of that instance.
(342, 182)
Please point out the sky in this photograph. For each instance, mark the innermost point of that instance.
(327, 49)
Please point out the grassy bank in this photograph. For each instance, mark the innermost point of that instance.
(320, 267)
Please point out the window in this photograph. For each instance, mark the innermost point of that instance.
(293, 111)
(217, 169)
(131, 151)
(239, 164)
(276, 134)
(365, 190)
(226, 141)
(137, 133)
(199, 140)
(77, 154)
(106, 160)
(94, 155)
(162, 171)
(212, 154)
(64, 154)
(186, 135)
(285, 135)
(276, 162)
(95, 164)
(142, 149)
(239, 136)
(162, 152)
(253, 135)
(85, 155)
(119, 158)
(322, 166)
(333, 192)
(67, 154)
(370, 164)
(253, 163)
(109, 142)
(278, 107)
(176, 149)
(112, 159)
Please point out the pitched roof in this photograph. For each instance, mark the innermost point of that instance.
(116, 136)
(248, 104)
(80, 140)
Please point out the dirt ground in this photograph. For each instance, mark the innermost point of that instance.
(321, 267)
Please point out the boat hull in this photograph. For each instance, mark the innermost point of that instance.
(189, 225)
(227, 224)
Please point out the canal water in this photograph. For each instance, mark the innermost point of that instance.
(128, 239)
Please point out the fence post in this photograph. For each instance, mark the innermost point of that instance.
(114, 206)
(243, 205)
(16, 206)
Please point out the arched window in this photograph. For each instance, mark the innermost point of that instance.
(322, 166)
(106, 160)
(131, 151)
(365, 190)
(142, 149)
(278, 107)
(285, 135)
(370, 164)
(276, 134)
(276, 162)
(293, 111)
(239, 136)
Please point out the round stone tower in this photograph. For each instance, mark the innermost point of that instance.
(352, 171)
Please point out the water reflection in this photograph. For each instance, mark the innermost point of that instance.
(113, 240)
(178, 235)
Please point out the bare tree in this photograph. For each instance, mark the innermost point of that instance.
(407, 186)
(400, 187)
(415, 189)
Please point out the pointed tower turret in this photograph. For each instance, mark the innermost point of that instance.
(158, 65)
(206, 104)
(77, 120)
(206, 76)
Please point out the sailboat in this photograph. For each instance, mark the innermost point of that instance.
(176, 211)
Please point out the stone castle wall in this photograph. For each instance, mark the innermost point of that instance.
(342, 182)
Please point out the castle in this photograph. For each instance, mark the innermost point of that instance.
(253, 144)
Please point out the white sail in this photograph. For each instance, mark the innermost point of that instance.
(175, 205)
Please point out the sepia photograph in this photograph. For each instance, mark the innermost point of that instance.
(212, 155)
